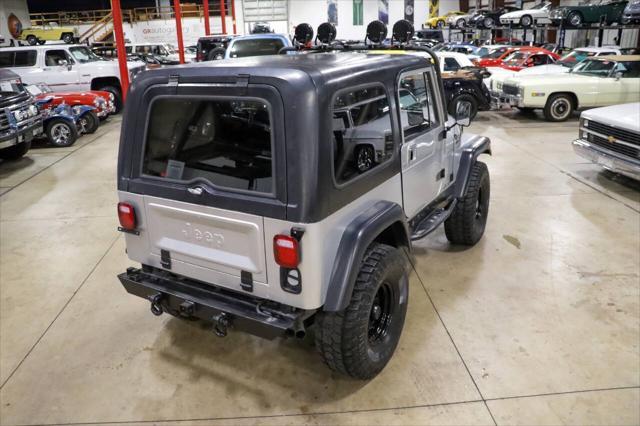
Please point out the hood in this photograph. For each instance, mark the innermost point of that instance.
(545, 69)
(88, 95)
(560, 80)
(624, 115)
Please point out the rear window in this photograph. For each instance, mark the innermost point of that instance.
(226, 142)
(256, 47)
(20, 58)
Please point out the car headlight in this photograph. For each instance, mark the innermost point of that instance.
(498, 85)
(19, 115)
(76, 109)
(33, 110)
(585, 123)
(111, 97)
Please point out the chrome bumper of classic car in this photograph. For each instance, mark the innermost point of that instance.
(501, 100)
(609, 160)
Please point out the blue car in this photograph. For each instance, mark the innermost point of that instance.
(256, 45)
(64, 123)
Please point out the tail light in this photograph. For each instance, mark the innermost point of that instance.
(286, 251)
(127, 216)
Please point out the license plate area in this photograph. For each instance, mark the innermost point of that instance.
(207, 237)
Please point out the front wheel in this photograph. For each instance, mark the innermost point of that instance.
(365, 158)
(559, 107)
(61, 133)
(461, 23)
(15, 152)
(526, 21)
(440, 24)
(67, 38)
(575, 19)
(360, 340)
(466, 224)
(117, 96)
(41, 42)
(89, 122)
(488, 22)
(32, 40)
(216, 54)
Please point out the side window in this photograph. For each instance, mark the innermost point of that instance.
(25, 58)
(53, 57)
(451, 64)
(6, 59)
(628, 69)
(362, 138)
(418, 112)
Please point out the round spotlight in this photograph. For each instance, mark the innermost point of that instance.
(303, 33)
(326, 33)
(403, 31)
(376, 31)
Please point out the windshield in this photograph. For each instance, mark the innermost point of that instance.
(516, 58)
(570, 59)
(256, 47)
(10, 88)
(594, 67)
(539, 6)
(495, 54)
(83, 54)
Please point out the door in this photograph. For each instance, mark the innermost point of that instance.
(60, 71)
(622, 85)
(424, 172)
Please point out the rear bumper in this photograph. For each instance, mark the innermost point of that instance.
(608, 160)
(191, 299)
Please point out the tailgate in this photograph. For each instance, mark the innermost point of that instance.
(206, 237)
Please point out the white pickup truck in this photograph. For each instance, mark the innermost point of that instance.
(67, 68)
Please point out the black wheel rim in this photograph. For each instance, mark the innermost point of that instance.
(365, 159)
(381, 314)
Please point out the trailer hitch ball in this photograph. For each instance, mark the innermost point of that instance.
(221, 323)
(156, 307)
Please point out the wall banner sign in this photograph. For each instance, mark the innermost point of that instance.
(383, 11)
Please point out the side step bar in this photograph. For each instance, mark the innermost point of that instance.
(191, 299)
(432, 221)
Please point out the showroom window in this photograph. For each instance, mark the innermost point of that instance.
(362, 138)
(225, 142)
(418, 113)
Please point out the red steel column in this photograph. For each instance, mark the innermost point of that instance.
(122, 53)
(207, 28)
(223, 15)
(178, 13)
(233, 15)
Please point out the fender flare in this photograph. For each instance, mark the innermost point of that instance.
(356, 238)
(469, 155)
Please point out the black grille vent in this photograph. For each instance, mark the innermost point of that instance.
(510, 89)
(622, 134)
(613, 146)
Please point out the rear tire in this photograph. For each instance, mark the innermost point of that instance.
(15, 152)
(89, 122)
(575, 19)
(365, 158)
(117, 96)
(526, 21)
(41, 42)
(488, 23)
(360, 340)
(461, 23)
(466, 224)
(464, 97)
(32, 40)
(61, 133)
(67, 38)
(559, 107)
(440, 24)
(216, 54)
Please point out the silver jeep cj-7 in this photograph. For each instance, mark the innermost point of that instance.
(244, 194)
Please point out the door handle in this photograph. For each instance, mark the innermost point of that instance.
(196, 190)
(412, 153)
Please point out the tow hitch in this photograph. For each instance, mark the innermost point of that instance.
(156, 307)
(221, 323)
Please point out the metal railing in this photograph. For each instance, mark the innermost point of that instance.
(189, 10)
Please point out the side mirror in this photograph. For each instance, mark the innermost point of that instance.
(463, 113)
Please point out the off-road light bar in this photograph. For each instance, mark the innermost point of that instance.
(376, 32)
(326, 32)
(303, 33)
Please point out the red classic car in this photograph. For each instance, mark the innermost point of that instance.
(495, 58)
(103, 102)
(522, 59)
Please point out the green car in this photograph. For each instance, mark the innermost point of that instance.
(588, 12)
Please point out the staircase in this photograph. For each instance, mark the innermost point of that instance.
(100, 31)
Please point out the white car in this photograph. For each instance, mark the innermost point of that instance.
(453, 61)
(67, 68)
(610, 137)
(562, 65)
(165, 50)
(525, 18)
(459, 21)
(594, 82)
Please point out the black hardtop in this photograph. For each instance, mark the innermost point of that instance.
(319, 67)
(305, 85)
